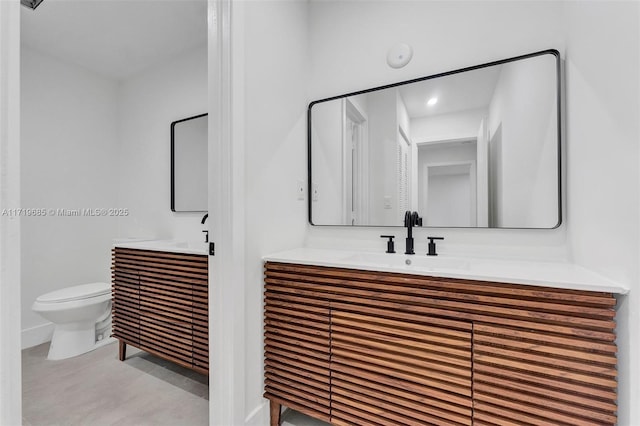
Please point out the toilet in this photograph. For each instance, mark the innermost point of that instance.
(82, 318)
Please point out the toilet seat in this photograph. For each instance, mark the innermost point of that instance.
(78, 292)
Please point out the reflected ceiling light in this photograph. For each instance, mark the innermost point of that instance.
(432, 101)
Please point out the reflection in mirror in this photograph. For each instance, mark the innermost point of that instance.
(189, 158)
(477, 147)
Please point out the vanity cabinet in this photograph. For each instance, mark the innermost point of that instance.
(355, 347)
(160, 305)
(297, 346)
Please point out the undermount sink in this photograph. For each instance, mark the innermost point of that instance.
(396, 260)
(196, 247)
(190, 244)
(178, 246)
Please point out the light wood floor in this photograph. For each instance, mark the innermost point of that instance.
(96, 389)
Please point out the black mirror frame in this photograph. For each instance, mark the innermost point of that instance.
(559, 86)
(173, 188)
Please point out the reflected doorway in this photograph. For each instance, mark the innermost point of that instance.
(355, 165)
(448, 183)
(450, 194)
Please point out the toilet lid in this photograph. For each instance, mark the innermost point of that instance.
(83, 291)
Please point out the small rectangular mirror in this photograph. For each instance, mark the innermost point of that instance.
(189, 158)
(477, 147)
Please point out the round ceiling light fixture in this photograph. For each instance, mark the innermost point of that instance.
(399, 55)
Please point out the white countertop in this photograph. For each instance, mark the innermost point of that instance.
(174, 246)
(547, 274)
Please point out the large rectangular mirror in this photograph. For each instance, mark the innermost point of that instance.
(189, 158)
(475, 147)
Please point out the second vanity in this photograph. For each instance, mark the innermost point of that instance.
(160, 301)
(374, 339)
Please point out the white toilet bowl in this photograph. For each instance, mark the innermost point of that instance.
(75, 311)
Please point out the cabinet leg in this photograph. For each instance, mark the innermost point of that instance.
(122, 350)
(275, 413)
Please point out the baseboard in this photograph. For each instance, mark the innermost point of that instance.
(259, 416)
(37, 335)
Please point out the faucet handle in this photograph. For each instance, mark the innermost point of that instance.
(432, 245)
(390, 246)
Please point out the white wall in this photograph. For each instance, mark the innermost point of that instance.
(275, 84)
(10, 360)
(147, 104)
(69, 161)
(602, 89)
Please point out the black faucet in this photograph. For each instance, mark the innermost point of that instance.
(206, 231)
(411, 219)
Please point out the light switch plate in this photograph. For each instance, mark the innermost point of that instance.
(300, 190)
(387, 202)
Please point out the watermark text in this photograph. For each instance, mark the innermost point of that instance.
(62, 212)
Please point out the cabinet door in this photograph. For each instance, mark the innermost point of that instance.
(168, 311)
(296, 343)
(126, 299)
(393, 368)
(556, 368)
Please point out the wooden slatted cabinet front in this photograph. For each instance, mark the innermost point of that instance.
(160, 305)
(386, 371)
(297, 359)
(381, 349)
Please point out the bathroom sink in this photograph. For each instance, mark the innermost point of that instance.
(177, 246)
(398, 260)
(190, 244)
(185, 246)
